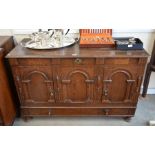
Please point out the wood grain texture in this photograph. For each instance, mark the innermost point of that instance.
(6, 102)
(75, 52)
(7, 43)
(94, 82)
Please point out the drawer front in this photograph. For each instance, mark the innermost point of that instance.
(77, 61)
(92, 112)
(77, 111)
(121, 61)
(35, 111)
(31, 62)
(49, 62)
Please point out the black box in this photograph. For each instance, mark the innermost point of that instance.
(129, 43)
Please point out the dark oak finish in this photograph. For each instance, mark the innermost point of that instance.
(149, 70)
(9, 96)
(67, 111)
(37, 85)
(78, 81)
(7, 109)
(74, 52)
(7, 43)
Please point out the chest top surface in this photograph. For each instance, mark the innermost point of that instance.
(74, 51)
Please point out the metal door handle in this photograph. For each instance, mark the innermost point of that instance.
(52, 94)
(105, 92)
(49, 112)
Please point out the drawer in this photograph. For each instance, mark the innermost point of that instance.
(31, 62)
(92, 112)
(35, 111)
(77, 61)
(118, 61)
(36, 104)
(78, 111)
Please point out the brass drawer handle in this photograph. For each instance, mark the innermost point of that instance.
(49, 112)
(106, 111)
(78, 61)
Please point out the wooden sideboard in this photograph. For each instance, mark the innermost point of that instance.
(77, 81)
(7, 102)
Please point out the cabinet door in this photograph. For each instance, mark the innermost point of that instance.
(76, 85)
(35, 85)
(119, 86)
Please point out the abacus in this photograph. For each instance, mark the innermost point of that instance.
(96, 38)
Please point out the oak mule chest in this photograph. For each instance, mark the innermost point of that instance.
(77, 81)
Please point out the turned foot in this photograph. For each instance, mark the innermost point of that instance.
(127, 119)
(26, 118)
(1, 124)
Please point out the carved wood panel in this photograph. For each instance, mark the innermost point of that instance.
(35, 86)
(76, 85)
(119, 86)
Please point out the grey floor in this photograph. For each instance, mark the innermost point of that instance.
(144, 113)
